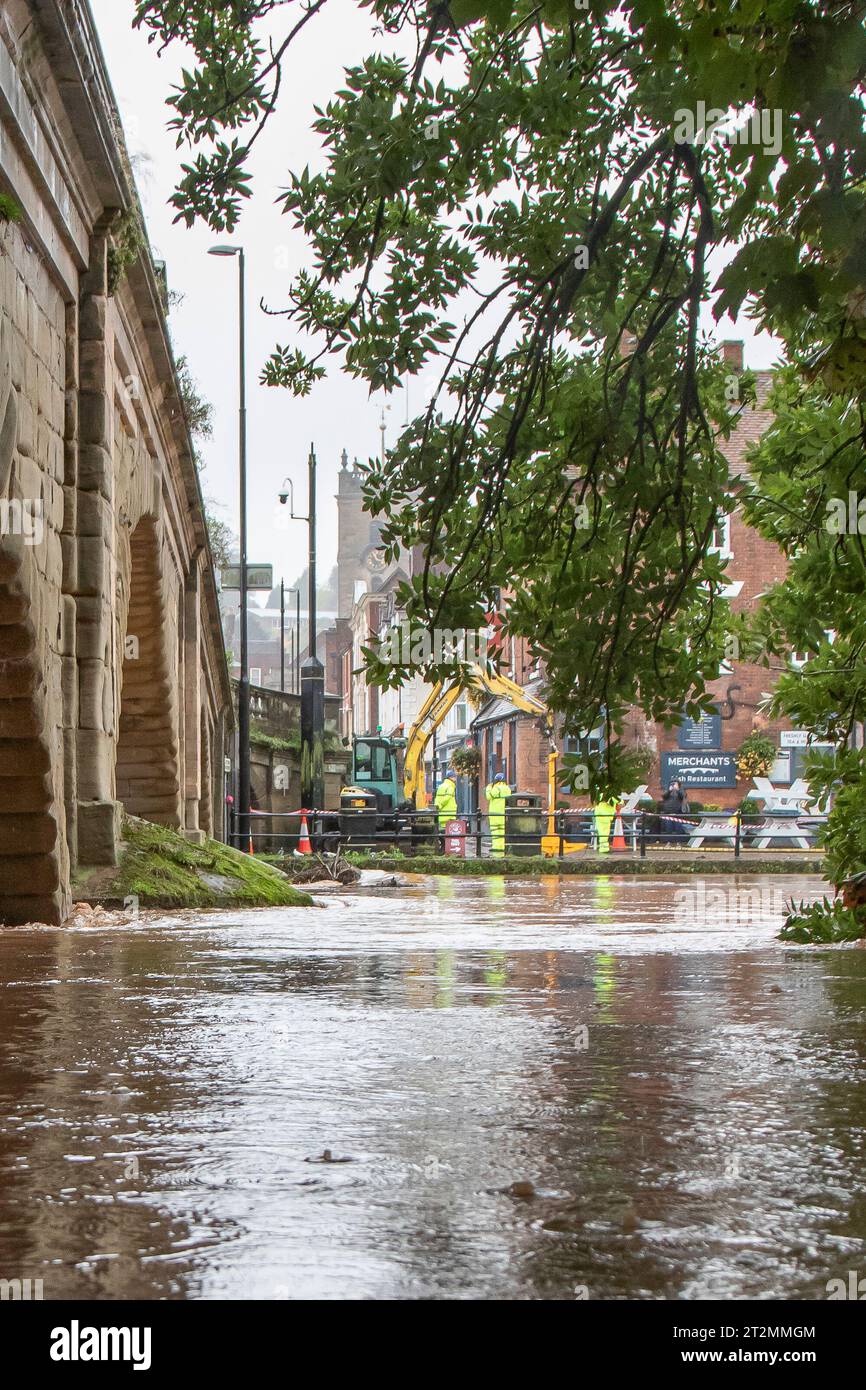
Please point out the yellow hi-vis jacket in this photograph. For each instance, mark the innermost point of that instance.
(497, 795)
(603, 815)
(445, 801)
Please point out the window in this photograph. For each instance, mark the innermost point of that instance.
(799, 756)
(372, 762)
(720, 541)
(586, 746)
(461, 717)
(495, 750)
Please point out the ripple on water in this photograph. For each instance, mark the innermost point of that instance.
(622, 1085)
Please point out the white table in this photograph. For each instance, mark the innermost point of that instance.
(797, 797)
(714, 827)
(628, 809)
(779, 828)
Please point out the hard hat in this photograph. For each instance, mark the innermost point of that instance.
(500, 777)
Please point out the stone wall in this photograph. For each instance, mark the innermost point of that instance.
(113, 682)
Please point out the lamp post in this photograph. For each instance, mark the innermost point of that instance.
(312, 680)
(296, 655)
(243, 807)
(296, 644)
(312, 672)
(282, 637)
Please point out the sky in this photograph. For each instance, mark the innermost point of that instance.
(339, 413)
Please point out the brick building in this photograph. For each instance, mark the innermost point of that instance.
(701, 755)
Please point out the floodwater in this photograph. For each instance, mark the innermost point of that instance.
(680, 1098)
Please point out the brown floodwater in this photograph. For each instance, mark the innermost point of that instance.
(679, 1098)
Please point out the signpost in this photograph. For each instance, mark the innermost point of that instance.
(795, 738)
(455, 838)
(259, 577)
(699, 769)
(705, 732)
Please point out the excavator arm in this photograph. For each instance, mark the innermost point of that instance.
(441, 699)
(432, 712)
(508, 689)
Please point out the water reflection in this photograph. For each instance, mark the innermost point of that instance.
(685, 1097)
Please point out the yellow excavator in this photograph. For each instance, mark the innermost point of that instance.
(384, 766)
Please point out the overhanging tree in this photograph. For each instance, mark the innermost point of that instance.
(519, 202)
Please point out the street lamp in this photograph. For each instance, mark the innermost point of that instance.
(244, 681)
(313, 672)
(296, 650)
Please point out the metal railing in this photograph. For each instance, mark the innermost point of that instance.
(643, 833)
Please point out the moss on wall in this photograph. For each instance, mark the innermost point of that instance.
(160, 868)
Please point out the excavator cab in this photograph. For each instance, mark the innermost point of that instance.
(373, 808)
(377, 767)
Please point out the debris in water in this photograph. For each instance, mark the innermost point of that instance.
(630, 1221)
(520, 1189)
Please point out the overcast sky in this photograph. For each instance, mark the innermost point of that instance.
(339, 413)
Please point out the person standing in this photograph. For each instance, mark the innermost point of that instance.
(497, 794)
(445, 801)
(603, 813)
(674, 804)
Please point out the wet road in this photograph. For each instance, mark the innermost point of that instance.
(685, 1095)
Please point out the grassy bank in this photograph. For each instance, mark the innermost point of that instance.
(159, 868)
(588, 864)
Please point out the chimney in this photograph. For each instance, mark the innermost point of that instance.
(732, 354)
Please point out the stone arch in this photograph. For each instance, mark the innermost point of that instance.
(147, 767)
(205, 818)
(34, 861)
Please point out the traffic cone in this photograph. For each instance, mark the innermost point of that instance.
(304, 846)
(618, 837)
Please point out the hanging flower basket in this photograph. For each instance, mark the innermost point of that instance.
(756, 756)
(466, 760)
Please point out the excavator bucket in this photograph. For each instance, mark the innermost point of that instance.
(550, 846)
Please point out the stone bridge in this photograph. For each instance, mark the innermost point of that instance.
(113, 680)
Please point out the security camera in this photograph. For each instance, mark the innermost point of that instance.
(284, 497)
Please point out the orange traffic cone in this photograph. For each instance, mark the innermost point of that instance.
(618, 838)
(304, 846)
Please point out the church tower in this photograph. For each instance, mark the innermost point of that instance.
(353, 533)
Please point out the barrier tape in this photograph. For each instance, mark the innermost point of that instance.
(684, 820)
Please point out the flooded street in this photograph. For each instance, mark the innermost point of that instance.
(685, 1095)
